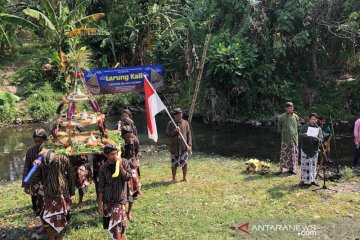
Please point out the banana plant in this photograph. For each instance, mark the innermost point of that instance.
(64, 27)
(62, 22)
(9, 96)
(8, 22)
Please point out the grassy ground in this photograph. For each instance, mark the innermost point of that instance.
(219, 197)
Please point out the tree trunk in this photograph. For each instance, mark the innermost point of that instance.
(187, 52)
(314, 58)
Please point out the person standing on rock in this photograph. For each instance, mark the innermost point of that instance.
(288, 124)
(178, 149)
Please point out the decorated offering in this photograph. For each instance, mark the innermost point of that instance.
(68, 137)
(256, 166)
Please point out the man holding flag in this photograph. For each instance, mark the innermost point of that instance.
(178, 130)
(179, 148)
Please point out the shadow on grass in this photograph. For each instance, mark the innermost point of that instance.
(25, 211)
(254, 177)
(16, 233)
(85, 215)
(279, 191)
(156, 184)
(89, 201)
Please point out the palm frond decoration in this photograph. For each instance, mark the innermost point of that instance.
(81, 58)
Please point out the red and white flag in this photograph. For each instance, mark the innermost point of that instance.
(154, 105)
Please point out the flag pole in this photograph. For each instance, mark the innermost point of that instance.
(167, 111)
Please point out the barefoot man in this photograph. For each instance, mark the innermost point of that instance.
(288, 123)
(130, 152)
(57, 176)
(113, 193)
(178, 149)
(35, 190)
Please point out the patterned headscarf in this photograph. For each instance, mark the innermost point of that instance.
(109, 148)
(177, 111)
(41, 133)
(127, 111)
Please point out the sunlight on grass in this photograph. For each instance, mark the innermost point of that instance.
(219, 197)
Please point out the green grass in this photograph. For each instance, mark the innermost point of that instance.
(219, 197)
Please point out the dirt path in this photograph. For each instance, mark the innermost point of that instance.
(6, 75)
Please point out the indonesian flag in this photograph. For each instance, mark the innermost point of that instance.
(154, 105)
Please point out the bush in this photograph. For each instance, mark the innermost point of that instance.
(8, 112)
(42, 103)
(7, 107)
(115, 102)
(34, 77)
(347, 175)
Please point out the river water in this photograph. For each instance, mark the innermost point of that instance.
(227, 140)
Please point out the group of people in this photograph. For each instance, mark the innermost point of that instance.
(315, 136)
(52, 186)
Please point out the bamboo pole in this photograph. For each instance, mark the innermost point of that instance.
(198, 81)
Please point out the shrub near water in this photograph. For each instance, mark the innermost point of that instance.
(7, 112)
(42, 103)
(347, 175)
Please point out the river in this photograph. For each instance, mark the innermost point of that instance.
(226, 140)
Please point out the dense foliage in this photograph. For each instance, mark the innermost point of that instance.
(7, 107)
(42, 103)
(261, 53)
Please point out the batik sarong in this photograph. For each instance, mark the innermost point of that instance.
(134, 184)
(179, 161)
(56, 212)
(289, 156)
(115, 220)
(308, 167)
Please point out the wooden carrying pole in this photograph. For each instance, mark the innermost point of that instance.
(198, 81)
